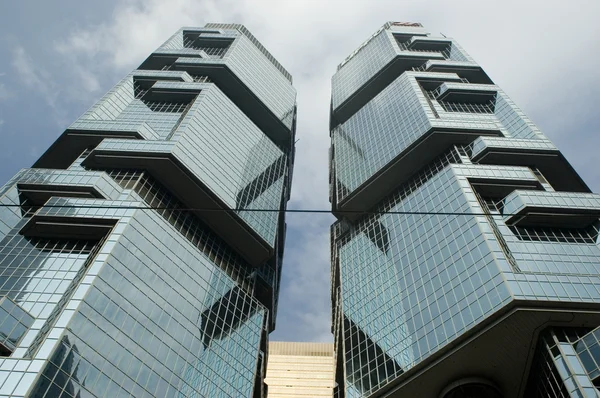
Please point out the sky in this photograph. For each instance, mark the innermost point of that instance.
(57, 58)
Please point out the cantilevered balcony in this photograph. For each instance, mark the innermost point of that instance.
(468, 70)
(466, 93)
(551, 209)
(168, 163)
(37, 186)
(401, 61)
(259, 89)
(81, 135)
(368, 172)
(89, 132)
(387, 56)
(536, 153)
(426, 43)
(190, 161)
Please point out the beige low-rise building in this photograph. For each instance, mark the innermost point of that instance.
(300, 370)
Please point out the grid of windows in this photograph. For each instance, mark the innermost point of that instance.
(386, 332)
(161, 306)
(170, 107)
(437, 280)
(513, 120)
(449, 157)
(409, 278)
(160, 106)
(378, 132)
(163, 320)
(64, 300)
(250, 62)
(216, 50)
(557, 371)
(14, 322)
(404, 45)
(587, 235)
(188, 225)
(255, 70)
(218, 143)
(122, 105)
(588, 350)
(545, 381)
(360, 68)
(492, 209)
(450, 50)
(35, 273)
(237, 161)
(467, 108)
(250, 36)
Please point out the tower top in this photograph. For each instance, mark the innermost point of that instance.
(401, 28)
(411, 24)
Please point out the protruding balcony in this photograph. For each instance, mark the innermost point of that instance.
(58, 219)
(551, 209)
(466, 93)
(426, 43)
(403, 60)
(165, 162)
(430, 145)
(413, 141)
(85, 134)
(536, 153)
(259, 89)
(468, 70)
(172, 92)
(37, 186)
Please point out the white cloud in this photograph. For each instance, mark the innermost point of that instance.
(39, 81)
(541, 52)
(30, 75)
(138, 27)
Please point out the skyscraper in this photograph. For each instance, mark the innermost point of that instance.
(465, 258)
(131, 262)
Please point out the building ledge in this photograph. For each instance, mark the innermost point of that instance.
(159, 160)
(468, 70)
(402, 62)
(76, 228)
(219, 73)
(540, 154)
(85, 134)
(426, 43)
(429, 146)
(162, 75)
(551, 209)
(38, 185)
(467, 93)
(173, 92)
(500, 350)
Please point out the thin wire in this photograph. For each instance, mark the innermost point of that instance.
(317, 211)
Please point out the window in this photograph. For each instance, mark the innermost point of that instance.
(14, 322)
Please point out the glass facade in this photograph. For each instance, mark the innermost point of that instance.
(131, 262)
(457, 218)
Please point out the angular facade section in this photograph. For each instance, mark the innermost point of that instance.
(133, 261)
(463, 234)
